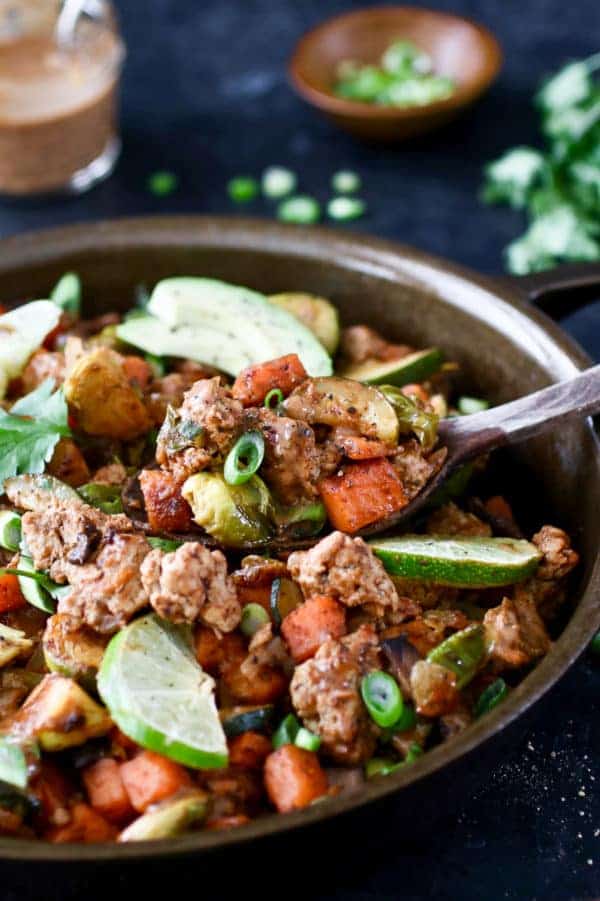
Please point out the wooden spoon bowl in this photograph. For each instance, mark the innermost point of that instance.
(461, 50)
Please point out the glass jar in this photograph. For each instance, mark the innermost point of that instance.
(58, 98)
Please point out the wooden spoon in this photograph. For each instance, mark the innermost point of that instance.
(467, 437)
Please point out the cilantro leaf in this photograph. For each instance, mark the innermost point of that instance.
(30, 432)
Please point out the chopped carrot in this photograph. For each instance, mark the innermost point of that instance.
(254, 383)
(53, 791)
(249, 750)
(415, 390)
(230, 822)
(362, 493)
(68, 464)
(308, 626)
(150, 777)
(106, 791)
(293, 778)
(167, 510)
(86, 826)
(356, 447)
(138, 371)
(11, 596)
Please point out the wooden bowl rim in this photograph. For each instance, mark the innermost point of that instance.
(463, 95)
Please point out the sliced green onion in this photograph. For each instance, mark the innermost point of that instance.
(105, 497)
(10, 530)
(414, 752)
(157, 364)
(381, 766)
(407, 720)
(595, 645)
(300, 210)
(66, 294)
(162, 183)
(242, 188)
(491, 697)
(286, 732)
(307, 740)
(345, 182)
(382, 697)
(468, 405)
(244, 458)
(343, 209)
(254, 617)
(275, 394)
(167, 545)
(278, 181)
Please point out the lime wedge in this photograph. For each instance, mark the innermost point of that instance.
(467, 562)
(159, 696)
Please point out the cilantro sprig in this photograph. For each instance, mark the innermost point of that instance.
(558, 186)
(31, 430)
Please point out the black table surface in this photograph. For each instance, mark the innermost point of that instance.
(205, 95)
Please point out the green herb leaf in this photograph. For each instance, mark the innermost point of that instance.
(31, 430)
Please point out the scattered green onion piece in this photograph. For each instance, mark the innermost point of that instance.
(253, 618)
(382, 697)
(275, 394)
(157, 365)
(307, 740)
(242, 188)
(167, 545)
(345, 182)
(286, 732)
(343, 209)
(300, 210)
(406, 721)
(491, 697)
(66, 294)
(162, 183)
(278, 182)
(468, 405)
(10, 530)
(244, 458)
(595, 645)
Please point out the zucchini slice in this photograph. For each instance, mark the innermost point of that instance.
(236, 720)
(416, 367)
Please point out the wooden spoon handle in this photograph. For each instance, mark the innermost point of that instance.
(524, 418)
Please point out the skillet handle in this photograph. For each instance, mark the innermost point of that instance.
(559, 291)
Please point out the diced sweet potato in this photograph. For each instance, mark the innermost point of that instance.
(293, 778)
(415, 390)
(86, 826)
(356, 447)
(138, 371)
(150, 778)
(249, 750)
(167, 510)
(255, 594)
(68, 464)
(308, 626)
(106, 791)
(254, 383)
(362, 493)
(11, 596)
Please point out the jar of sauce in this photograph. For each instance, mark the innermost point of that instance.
(58, 99)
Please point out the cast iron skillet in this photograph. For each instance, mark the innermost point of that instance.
(506, 349)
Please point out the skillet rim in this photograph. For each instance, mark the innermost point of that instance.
(354, 252)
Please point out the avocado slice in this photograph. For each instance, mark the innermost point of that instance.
(415, 367)
(317, 314)
(59, 714)
(168, 819)
(226, 326)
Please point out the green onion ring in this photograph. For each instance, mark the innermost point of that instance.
(244, 458)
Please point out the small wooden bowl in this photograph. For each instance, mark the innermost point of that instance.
(460, 49)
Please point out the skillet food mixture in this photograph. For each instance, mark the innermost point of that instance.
(192, 634)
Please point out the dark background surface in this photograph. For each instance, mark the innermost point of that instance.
(205, 95)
